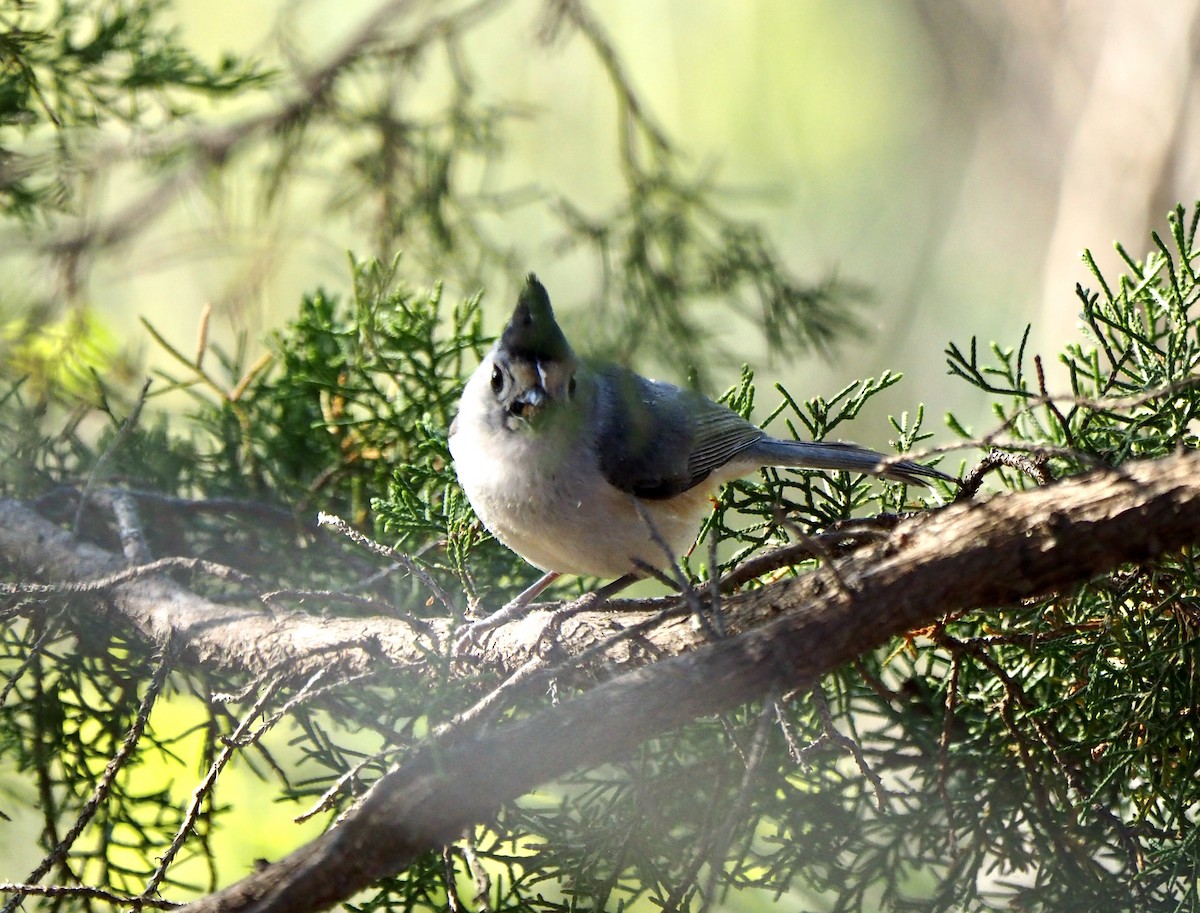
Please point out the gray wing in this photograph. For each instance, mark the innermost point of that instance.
(657, 440)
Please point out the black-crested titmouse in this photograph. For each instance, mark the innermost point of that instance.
(556, 452)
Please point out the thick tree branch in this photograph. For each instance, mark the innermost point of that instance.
(259, 640)
(218, 635)
(969, 555)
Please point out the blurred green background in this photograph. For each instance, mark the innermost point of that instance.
(952, 158)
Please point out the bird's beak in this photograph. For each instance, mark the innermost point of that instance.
(529, 403)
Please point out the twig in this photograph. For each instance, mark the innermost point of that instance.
(874, 682)
(789, 737)
(325, 800)
(60, 891)
(203, 789)
(104, 784)
(724, 837)
(483, 881)
(453, 904)
(405, 561)
(306, 692)
(114, 445)
(129, 524)
(678, 579)
(629, 105)
(31, 655)
(944, 748)
(994, 460)
(538, 670)
(714, 589)
(809, 547)
(849, 744)
(1050, 403)
(99, 584)
(250, 687)
(533, 670)
(818, 548)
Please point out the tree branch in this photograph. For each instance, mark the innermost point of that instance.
(968, 555)
(217, 635)
(260, 640)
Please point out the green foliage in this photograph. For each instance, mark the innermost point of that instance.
(666, 244)
(60, 359)
(61, 724)
(1093, 687)
(1132, 382)
(357, 398)
(402, 165)
(752, 514)
(66, 65)
(360, 390)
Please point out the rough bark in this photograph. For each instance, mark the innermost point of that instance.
(218, 635)
(258, 640)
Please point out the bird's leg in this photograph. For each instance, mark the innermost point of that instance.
(528, 594)
(517, 606)
(510, 609)
(591, 601)
(610, 589)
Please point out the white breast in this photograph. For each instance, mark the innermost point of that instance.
(552, 506)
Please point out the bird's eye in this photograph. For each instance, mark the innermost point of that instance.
(497, 380)
(571, 388)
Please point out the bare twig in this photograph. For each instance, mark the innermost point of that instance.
(201, 792)
(399, 557)
(31, 656)
(129, 524)
(817, 548)
(853, 535)
(142, 571)
(114, 445)
(325, 800)
(453, 904)
(724, 836)
(848, 744)
(85, 893)
(794, 750)
(944, 747)
(483, 881)
(994, 460)
(104, 784)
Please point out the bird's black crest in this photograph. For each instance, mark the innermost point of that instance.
(532, 332)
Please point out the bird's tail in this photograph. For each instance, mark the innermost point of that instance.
(838, 455)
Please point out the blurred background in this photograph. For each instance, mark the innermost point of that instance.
(944, 163)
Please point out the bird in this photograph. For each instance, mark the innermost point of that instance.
(587, 468)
